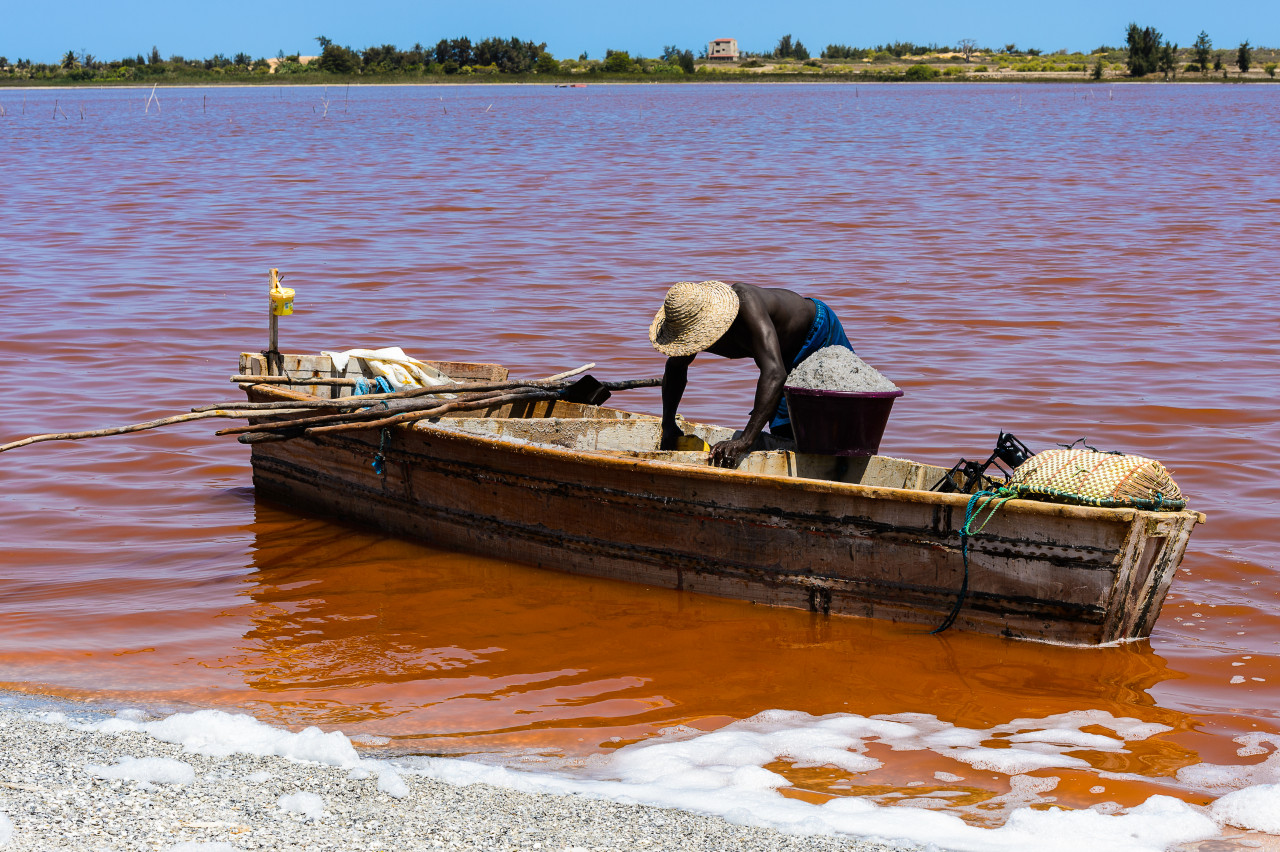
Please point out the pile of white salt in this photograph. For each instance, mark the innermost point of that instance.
(838, 369)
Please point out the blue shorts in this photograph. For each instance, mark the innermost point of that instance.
(825, 331)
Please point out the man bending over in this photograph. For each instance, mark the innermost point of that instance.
(776, 328)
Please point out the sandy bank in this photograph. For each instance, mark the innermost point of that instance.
(68, 789)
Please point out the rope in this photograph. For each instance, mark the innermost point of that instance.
(379, 460)
(974, 523)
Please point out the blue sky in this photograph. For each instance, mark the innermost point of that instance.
(43, 32)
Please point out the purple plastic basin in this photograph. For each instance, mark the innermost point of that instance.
(839, 423)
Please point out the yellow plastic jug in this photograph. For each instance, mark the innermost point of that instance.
(281, 297)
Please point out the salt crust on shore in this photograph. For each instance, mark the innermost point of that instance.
(212, 781)
(55, 795)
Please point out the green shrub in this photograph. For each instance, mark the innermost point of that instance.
(981, 69)
(921, 72)
(1270, 68)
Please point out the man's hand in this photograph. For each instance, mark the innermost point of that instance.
(729, 453)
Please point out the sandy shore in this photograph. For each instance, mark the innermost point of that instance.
(57, 793)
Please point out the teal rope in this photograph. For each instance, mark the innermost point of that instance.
(379, 461)
(974, 522)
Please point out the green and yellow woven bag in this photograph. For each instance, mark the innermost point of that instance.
(1092, 478)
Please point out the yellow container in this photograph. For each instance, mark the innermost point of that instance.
(692, 443)
(282, 301)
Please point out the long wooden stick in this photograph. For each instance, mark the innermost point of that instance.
(369, 399)
(251, 379)
(470, 387)
(366, 413)
(254, 379)
(410, 416)
(136, 427)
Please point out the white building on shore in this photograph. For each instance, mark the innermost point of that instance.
(723, 48)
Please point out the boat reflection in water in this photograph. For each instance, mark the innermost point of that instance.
(453, 654)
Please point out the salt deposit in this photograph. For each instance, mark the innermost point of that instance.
(217, 781)
(838, 369)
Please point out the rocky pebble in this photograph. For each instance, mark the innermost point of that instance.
(838, 369)
(68, 789)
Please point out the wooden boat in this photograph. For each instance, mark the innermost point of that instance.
(581, 488)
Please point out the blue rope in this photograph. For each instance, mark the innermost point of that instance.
(984, 501)
(379, 461)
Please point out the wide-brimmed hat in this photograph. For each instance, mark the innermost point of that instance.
(694, 315)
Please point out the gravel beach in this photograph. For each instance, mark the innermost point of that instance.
(57, 793)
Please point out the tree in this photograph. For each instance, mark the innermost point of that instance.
(155, 59)
(1169, 60)
(686, 63)
(784, 50)
(1244, 57)
(967, 46)
(1144, 50)
(69, 60)
(617, 61)
(1270, 68)
(548, 64)
(1010, 49)
(799, 51)
(324, 42)
(336, 59)
(1202, 48)
(1098, 68)
(1217, 61)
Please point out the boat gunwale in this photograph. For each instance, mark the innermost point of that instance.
(613, 458)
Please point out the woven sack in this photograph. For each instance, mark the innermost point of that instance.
(1091, 478)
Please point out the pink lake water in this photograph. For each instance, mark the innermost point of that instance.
(1057, 261)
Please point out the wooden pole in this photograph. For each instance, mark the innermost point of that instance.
(410, 416)
(470, 387)
(137, 427)
(325, 419)
(246, 379)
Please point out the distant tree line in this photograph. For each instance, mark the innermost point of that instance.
(507, 56)
(1147, 54)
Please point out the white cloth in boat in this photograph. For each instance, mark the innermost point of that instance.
(403, 372)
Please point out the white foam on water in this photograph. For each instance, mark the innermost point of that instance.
(1220, 778)
(6, 830)
(149, 770)
(218, 734)
(1254, 808)
(723, 773)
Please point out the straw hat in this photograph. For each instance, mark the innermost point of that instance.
(694, 315)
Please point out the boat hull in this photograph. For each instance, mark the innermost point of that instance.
(1068, 574)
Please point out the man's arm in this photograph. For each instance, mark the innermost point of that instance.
(674, 379)
(760, 338)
